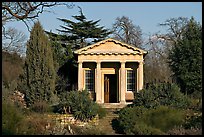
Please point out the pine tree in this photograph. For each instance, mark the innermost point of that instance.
(186, 59)
(39, 77)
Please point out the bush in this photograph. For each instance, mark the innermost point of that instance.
(142, 121)
(194, 122)
(79, 104)
(11, 118)
(164, 118)
(143, 129)
(41, 107)
(101, 112)
(129, 117)
(161, 94)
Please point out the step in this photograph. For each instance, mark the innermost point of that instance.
(113, 105)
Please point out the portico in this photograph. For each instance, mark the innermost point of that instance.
(111, 71)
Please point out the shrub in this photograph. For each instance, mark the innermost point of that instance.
(161, 94)
(143, 129)
(142, 121)
(11, 118)
(41, 107)
(79, 104)
(128, 117)
(194, 121)
(101, 112)
(164, 118)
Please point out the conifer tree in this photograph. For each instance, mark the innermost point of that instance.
(186, 59)
(38, 81)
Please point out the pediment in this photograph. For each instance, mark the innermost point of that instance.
(110, 46)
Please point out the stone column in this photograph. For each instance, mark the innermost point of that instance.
(122, 83)
(80, 76)
(140, 76)
(98, 82)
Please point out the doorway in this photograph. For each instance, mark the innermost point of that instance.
(110, 88)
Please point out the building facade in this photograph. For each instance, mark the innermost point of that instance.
(111, 71)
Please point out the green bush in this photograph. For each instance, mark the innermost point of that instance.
(143, 129)
(79, 104)
(11, 118)
(161, 94)
(101, 112)
(142, 121)
(128, 117)
(164, 118)
(194, 122)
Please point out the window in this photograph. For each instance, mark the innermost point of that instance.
(89, 80)
(130, 80)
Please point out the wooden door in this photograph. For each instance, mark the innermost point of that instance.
(106, 89)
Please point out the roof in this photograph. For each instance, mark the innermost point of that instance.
(112, 47)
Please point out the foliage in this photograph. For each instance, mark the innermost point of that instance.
(101, 112)
(79, 104)
(144, 129)
(128, 117)
(186, 59)
(142, 121)
(161, 94)
(194, 121)
(167, 117)
(82, 30)
(11, 118)
(12, 66)
(38, 80)
(41, 107)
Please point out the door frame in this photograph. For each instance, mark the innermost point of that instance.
(108, 71)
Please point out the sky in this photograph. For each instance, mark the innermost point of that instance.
(146, 15)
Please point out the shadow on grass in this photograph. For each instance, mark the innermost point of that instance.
(116, 127)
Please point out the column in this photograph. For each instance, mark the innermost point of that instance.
(98, 82)
(80, 76)
(122, 83)
(140, 76)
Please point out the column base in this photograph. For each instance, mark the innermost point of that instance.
(122, 102)
(99, 101)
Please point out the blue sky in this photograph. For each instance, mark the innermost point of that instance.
(147, 15)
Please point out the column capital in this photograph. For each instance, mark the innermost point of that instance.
(122, 62)
(98, 61)
(79, 62)
(141, 62)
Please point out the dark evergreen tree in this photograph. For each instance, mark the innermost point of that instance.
(38, 81)
(186, 59)
(72, 36)
(82, 30)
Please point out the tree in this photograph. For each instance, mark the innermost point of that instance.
(175, 30)
(124, 30)
(81, 31)
(156, 68)
(72, 36)
(26, 11)
(38, 81)
(159, 47)
(186, 58)
(13, 41)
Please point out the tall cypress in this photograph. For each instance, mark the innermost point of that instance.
(39, 77)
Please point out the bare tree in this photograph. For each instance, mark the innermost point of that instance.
(26, 11)
(156, 68)
(13, 41)
(124, 30)
(175, 28)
